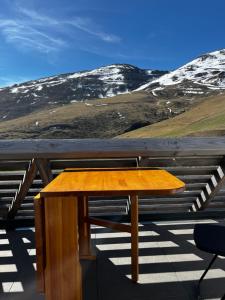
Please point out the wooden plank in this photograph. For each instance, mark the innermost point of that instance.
(108, 148)
(134, 238)
(7, 192)
(180, 154)
(101, 203)
(26, 213)
(195, 186)
(63, 271)
(159, 207)
(6, 200)
(23, 189)
(215, 204)
(180, 161)
(44, 170)
(108, 211)
(195, 178)
(33, 192)
(84, 229)
(108, 206)
(219, 198)
(99, 198)
(166, 200)
(27, 206)
(201, 170)
(29, 198)
(109, 224)
(9, 184)
(11, 175)
(184, 194)
(209, 193)
(90, 163)
(13, 165)
(115, 182)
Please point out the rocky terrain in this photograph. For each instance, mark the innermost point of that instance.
(103, 118)
(21, 99)
(203, 76)
(108, 101)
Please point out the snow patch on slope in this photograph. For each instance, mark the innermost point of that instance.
(207, 70)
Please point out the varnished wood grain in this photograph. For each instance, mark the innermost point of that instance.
(110, 181)
(84, 229)
(63, 272)
(113, 181)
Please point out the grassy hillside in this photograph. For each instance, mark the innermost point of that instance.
(107, 118)
(103, 118)
(204, 119)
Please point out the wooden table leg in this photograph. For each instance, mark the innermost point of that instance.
(134, 238)
(63, 272)
(84, 229)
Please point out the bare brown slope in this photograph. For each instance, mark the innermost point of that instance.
(99, 118)
(205, 119)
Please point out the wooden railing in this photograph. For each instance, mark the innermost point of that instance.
(28, 165)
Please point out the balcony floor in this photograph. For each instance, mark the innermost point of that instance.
(170, 265)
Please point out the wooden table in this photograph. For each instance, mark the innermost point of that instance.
(63, 226)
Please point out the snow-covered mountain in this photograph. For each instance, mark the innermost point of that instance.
(171, 93)
(203, 75)
(104, 82)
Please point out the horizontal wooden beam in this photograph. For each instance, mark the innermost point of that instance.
(106, 148)
(109, 224)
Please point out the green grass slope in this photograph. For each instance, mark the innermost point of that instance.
(205, 119)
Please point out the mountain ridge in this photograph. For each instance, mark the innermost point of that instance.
(108, 101)
(104, 82)
(203, 75)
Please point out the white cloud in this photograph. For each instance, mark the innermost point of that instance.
(88, 26)
(24, 35)
(31, 14)
(33, 30)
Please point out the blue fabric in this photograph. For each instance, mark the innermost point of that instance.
(210, 238)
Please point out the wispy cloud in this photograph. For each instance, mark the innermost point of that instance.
(82, 23)
(27, 37)
(30, 29)
(88, 26)
(35, 16)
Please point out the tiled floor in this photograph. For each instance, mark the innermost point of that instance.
(170, 265)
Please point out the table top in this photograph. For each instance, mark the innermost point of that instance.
(114, 182)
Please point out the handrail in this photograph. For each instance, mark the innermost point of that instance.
(184, 156)
(107, 148)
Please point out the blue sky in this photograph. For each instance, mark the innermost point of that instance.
(39, 38)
